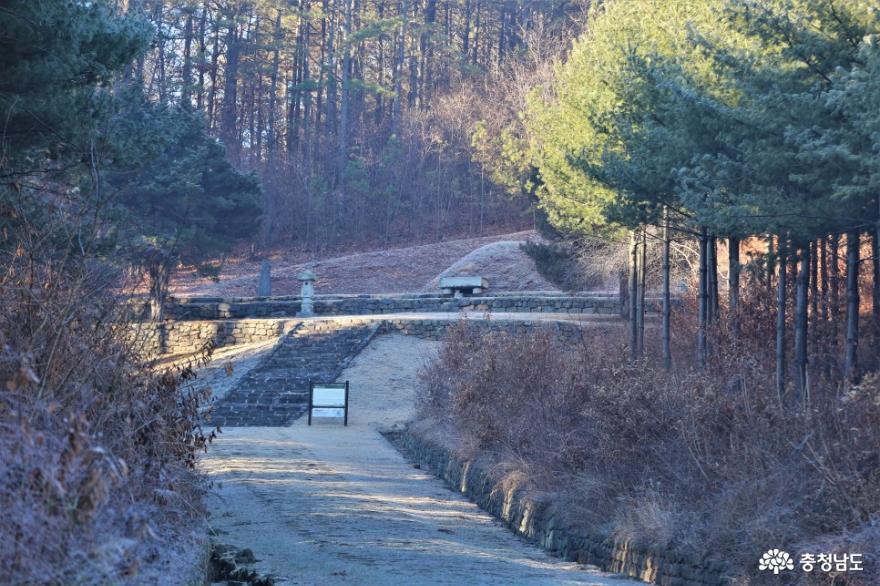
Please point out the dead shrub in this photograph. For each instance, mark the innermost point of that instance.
(701, 461)
(97, 451)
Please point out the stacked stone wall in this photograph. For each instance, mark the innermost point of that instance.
(188, 337)
(540, 522)
(239, 308)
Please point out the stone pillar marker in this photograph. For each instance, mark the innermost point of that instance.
(264, 288)
(307, 308)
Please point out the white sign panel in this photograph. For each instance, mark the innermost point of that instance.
(328, 401)
(328, 412)
(329, 397)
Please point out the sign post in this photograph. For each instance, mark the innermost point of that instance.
(328, 400)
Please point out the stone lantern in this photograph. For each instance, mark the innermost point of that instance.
(307, 278)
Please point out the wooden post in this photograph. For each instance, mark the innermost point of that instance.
(345, 413)
(311, 395)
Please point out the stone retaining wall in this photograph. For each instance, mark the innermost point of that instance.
(239, 308)
(435, 329)
(188, 337)
(539, 522)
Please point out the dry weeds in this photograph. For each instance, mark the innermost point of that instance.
(700, 461)
(97, 451)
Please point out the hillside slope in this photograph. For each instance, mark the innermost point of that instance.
(398, 270)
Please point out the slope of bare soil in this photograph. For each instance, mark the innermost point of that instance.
(398, 270)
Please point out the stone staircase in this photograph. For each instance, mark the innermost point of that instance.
(275, 391)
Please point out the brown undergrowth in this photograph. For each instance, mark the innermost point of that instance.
(97, 450)
(700, 461)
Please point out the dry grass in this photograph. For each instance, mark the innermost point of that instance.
(97, 451)
(698, 460)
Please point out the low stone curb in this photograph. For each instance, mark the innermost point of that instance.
(539, 522)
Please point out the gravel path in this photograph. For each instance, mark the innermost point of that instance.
(333, 505)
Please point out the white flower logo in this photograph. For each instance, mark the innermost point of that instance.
(775, 560)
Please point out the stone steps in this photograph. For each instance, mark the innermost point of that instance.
(276, 391)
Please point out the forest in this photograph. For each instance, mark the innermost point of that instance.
(358, 115)
(719, 159)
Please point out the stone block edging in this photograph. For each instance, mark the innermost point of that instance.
(539, 522)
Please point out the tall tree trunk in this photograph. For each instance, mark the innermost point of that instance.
(271, 130)
(257, 123)
(814, 294)
(305, 78)
(200, 96)
(215, 58)
(780, 321)
(823, 276)
(186, 82)
(712, 279)
(331, 119)
(667, 301)
(502, 32)
(426, 51)
(228, 118)
(466, 30)
(342, 145)
(851, 364)
(397, 69)
(379, 114)
(643, 257)
(160, 49)
(703, 300)
(322, 75)
(875, 285)
(633, 295)
(834, 286)
(476, 49)
(733, 282)
(771, 265)
(800, 327)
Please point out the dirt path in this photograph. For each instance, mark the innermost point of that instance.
(333, 505)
